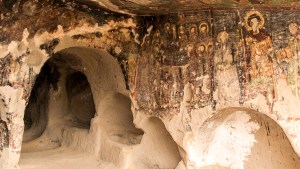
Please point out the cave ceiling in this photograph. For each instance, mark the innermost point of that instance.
(150, 7)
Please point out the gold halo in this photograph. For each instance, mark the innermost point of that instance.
(166, 25)
(262, 20)
(206, 24)
(198, 45)
(193, 26)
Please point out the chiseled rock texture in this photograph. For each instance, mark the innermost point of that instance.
(215, 87)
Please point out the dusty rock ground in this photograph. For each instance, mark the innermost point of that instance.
(61, 158)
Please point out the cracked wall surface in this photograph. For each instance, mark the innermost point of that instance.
(182, 68)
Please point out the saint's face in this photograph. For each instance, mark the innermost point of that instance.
(254, 24)
(203, 29)
(192, 30)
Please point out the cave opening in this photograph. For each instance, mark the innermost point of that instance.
(78, 98)
(74, 108)
(35, 117)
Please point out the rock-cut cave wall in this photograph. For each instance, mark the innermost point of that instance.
(194, 64)
(184, 69)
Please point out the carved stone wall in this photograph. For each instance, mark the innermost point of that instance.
(193, 65)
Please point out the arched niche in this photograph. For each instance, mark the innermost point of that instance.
(241, 138)
(84, 89)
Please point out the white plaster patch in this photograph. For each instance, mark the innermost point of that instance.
(226, 144)
(25, 36)
(3, 50)
(228, 89)
(13, 101)
(6, 49)
(8, 163)
(287, 104)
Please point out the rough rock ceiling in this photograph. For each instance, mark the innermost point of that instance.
(145, 7)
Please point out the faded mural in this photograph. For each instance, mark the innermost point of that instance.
(182, 55)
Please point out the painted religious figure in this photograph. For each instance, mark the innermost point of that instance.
(225, 74)
(193, 33)
(259, 71)
(223, 55)
(201, 82)
(183, 40)
(289, 62)
(170, 45)
(183, 57)
(204, 31)
(201, 57)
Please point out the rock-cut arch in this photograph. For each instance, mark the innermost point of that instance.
(84, 89)
(242, 138)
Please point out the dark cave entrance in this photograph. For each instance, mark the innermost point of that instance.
(77, 92)
(80, 99)
(35, 118)
(76, 105)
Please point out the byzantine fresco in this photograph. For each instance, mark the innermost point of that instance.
(184, 56)
(288, 59)
(179, 54)
(257, 59)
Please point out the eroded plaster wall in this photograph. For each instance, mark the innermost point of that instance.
(194, 64)
(182, 68)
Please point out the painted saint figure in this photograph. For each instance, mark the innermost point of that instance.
(223, 55)
(203, 31)
(168, 32)
(182, 35)
(288, 59)
(201, 55)
(193, 33)
(226, 77)
(259, 62)
(174, 32)
(258, 45)
(294, 42)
